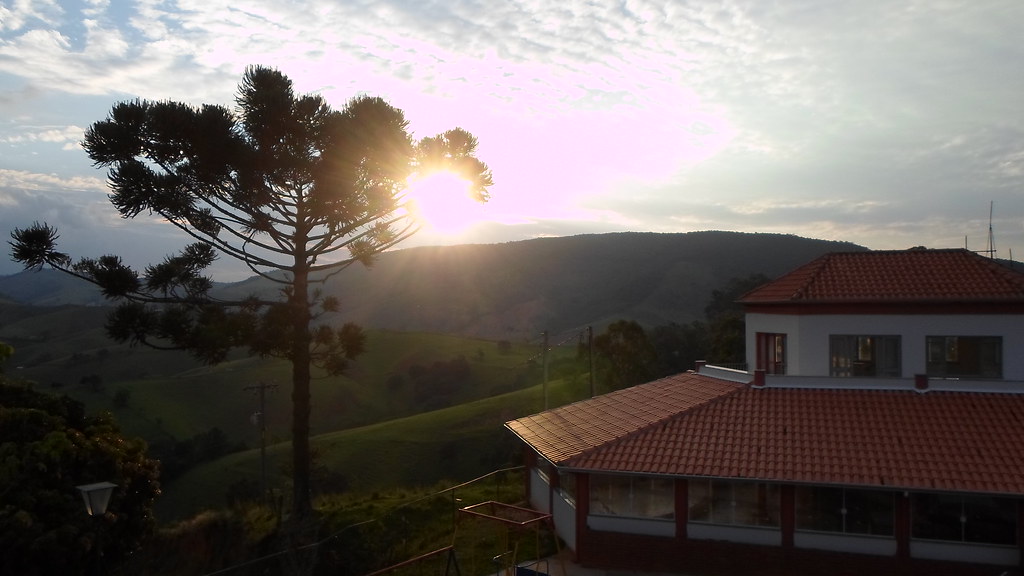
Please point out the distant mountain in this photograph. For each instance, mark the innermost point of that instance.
(49, 288)
(518, 289)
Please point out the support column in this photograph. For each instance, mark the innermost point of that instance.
(787, 514)
(682, 509)
(1020, 533)
(901, 526)
(554, 482)
(582, 512)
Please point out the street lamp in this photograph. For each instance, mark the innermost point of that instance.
(96, 497)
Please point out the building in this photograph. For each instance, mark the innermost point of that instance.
(881, 429)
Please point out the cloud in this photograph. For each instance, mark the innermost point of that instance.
(890, 124)
(59, 134)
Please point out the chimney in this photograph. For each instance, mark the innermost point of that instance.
(759, 378)
(700, 365)
(921, 382)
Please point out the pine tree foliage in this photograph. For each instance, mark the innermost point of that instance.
(290, 187)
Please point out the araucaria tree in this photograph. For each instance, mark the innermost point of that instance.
(285, 184)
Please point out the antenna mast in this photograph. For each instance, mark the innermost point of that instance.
(991, 235)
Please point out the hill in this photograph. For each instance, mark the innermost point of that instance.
(434, 315)
(516, 290)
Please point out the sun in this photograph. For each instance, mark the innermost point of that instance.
(441, 202)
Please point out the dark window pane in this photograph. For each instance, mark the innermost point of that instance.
(978, 519)
(864, 356)
(965, 356)
(937, 517)
(990, 520)
(819, 509)
(869, 512)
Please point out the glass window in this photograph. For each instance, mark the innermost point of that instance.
(738, 503)
(633, 496)
(871, 356)
(978, 519)
(979, 356)
(567, 484)
(849, 511)
(544, 468)
(771, 353)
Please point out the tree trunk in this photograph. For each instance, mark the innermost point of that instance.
(302, 505)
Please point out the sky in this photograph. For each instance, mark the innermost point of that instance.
(887, 123)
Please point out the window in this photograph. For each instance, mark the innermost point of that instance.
(633, 496)
(978, 356)
(738, 503)
(567, 484)
(859, 356)
(978, 519)
(771, 353)
(844, 510)
(544, 468)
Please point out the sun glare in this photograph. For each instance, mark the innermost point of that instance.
(441, 202)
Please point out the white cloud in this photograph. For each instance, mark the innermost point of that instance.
(19, 13)
(64, 134)
(17, 179)
(880, 120)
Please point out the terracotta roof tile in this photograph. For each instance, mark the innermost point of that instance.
(894, 276)
(938, 440)
(568, 431)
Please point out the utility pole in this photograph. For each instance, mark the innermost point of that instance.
(545, 363)
(260, 418)
(590, 356)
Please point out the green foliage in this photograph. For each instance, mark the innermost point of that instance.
(718, 339)
(121, 397)
(678, 347)
(5, 353)
(93, 381)
(455, 443)
(355, 533)
(177, 456)
(212, 540)
(626, 353)
(725, 320)
(48, 447)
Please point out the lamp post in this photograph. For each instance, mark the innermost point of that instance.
(96, 497)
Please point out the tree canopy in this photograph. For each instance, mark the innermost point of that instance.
(290, 187)
(626, 353)
(47, 448)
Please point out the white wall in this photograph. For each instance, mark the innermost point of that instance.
(564, 517)
(540, 491)
(807, 337)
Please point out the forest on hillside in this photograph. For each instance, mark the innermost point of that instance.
(517, 290)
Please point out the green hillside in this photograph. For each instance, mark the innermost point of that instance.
(173, 396)
(453, 339)
(449, 445)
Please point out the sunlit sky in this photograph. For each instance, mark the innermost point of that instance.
(886, 123)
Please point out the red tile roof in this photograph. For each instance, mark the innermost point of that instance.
(948, 441)
(915, 275)
(564, 432)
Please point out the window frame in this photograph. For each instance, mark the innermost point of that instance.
(959, 356)
(627, 496)
(865, 355)
(772, 352)
(971, 516)
(714, 501)
(855, 511)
